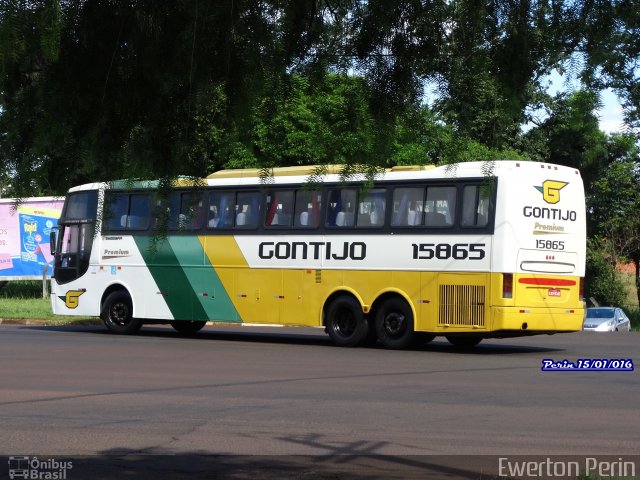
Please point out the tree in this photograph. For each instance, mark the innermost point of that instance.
(103, 89)
(571, 135)
(614, 203)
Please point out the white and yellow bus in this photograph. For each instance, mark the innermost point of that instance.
(423, 252)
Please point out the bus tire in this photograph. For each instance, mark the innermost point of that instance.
(187, 327)
(117, 313)
(346, 323)
(394, 324)
(464, 342)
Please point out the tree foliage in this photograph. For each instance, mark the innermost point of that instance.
(102, 89)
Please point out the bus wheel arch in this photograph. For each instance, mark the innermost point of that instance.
(345, 320)
(394, 321)
(116, 311)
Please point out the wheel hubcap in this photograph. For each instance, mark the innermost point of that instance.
(394, 324)
(345, 324)
(119, 313)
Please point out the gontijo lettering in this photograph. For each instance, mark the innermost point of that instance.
(312, 250)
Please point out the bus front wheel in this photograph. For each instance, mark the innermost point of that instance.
(394, 324)
(346, 323)
(117, 313)
(187, 327)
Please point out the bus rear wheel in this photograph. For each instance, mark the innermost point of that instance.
(346, 323)
(187, 327)
(464, 342)
(117, 313)
(394, 324)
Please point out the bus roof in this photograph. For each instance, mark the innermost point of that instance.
(303, 170)
(300, 174)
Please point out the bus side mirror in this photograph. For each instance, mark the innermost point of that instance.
(52, 242)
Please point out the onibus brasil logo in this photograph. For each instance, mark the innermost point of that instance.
(38, 469)
(550, 190)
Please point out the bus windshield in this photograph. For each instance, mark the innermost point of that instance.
(75, 236)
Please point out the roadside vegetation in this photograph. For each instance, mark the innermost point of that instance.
(22, 300)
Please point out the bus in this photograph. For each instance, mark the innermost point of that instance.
(465, 251)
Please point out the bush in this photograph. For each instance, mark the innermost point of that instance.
(22, 289)
(634, 316)
(602, 281)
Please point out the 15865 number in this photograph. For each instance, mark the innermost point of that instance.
(550, 244)
(445, 251)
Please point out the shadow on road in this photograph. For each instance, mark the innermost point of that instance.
(121, 463)
(307, 336)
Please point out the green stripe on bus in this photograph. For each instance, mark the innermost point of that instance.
(191, 286)
(210, 293)
(171, 279)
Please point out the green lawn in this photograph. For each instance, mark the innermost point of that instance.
(22, 300)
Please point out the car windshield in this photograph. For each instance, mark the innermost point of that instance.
(600, 313)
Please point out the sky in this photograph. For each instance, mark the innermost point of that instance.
(610, 114)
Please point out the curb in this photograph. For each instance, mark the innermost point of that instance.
(49, 323)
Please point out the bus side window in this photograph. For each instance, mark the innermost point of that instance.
(139, 212)
(186, 211)
(307, 209)
(247, 209)
(127, 212)
(221, 210)
(475, 205)
(371, 208)
(440, 206)
(116, 211)
(279, 209)
(342, 207)
(408, 207)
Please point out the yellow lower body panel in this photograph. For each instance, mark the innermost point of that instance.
(538, 319)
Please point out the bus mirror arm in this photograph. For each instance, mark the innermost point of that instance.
(52, 241)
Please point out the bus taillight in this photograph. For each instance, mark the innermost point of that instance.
(507, 285)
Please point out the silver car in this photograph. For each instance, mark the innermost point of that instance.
(606, 319)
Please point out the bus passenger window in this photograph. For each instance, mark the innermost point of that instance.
(221, 206)
(408, 207)
(116, 211)
(342, 208)
(307, 209)
(247, 209)
(139, 212)
(475, 205)
(440, 206)
(127, 212)
(371, 208)
(279, 209)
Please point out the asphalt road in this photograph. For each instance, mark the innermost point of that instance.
(279, 392)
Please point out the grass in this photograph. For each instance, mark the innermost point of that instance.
(22, 300)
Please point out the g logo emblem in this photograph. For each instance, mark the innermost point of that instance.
(71, 298)
(550, 190)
